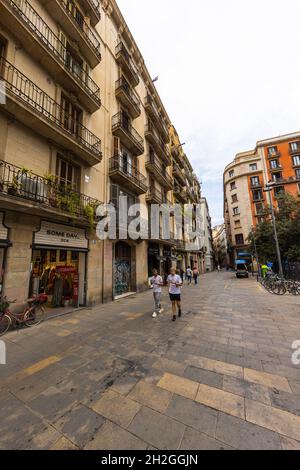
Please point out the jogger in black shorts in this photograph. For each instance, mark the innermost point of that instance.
(175, 284)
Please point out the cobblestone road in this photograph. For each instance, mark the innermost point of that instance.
(114, 378)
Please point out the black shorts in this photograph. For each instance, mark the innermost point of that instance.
(174, 297)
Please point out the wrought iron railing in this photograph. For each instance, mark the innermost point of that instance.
(29, 16)
(119, 120)
(79, 22)
(122, 50)
(122, 84)
(154, 161)
(155, 194)
(118, 163)
(48, 191)
(150, 128)
(36, 99)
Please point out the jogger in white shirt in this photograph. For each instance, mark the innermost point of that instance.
(175, 284)
(156, 283)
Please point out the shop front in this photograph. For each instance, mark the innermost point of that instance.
(123, 282)
(58, 265)
(4, 244)
(153, 258)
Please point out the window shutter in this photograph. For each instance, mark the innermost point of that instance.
(117, 149)
(87, 72)
(114, 194)
(62, 46)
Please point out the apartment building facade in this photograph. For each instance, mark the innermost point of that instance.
(207, 261)
(81, 124)
(275, 160)
(220, 245)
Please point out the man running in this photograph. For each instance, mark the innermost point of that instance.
(156, 283)
(175, 284)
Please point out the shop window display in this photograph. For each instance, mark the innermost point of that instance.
(56, 273)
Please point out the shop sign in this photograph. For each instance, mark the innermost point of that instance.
(60, 235)
(3, 230)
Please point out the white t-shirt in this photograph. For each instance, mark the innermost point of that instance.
(155, 282)
(189, 272)
(173, 280)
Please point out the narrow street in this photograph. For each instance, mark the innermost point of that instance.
(114, 378)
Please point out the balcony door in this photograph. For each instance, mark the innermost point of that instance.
(71, 116)
(67, 175)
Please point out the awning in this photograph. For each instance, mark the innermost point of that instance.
(63, 248)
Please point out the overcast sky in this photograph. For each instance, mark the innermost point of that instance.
(228, 75)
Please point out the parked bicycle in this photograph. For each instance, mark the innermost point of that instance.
(29, 313)
(278, 286)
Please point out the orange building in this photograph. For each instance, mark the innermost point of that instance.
(275, 160)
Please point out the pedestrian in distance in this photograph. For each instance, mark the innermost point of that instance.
(156, 284)
(175, 284)
(219, 268)
(195, 275)
(189, 274)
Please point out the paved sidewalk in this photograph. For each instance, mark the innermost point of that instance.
(114, 378)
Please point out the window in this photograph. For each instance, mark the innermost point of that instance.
(274, 164)
(259, 208)
(231, 174)
(253, 166)
(257, 195)
(239, 239)
(272, 151)
(236, 211)
(237, 223)
(298, 173)
(234, 198)
(277, 176)
(255, 181)
(278, 190)
(232, 186)
(295, 146)
(299, 188)
(67, 174)
(296, 160)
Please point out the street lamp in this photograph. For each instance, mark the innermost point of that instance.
(269, 187)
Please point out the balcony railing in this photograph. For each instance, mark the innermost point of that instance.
(125, 60)
(295, 151)
(154, 164)
(93, 7)
(44, 34)
(49, 192)
(120, 121)
(154, 196)
(129, 171)
(33, 97)
(80, 23)
(274, 155)
(122, 86)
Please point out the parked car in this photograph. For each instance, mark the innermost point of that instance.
(241, 270)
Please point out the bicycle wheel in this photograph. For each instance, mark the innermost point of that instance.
(279, 289)
(34, 316)
(5, 323)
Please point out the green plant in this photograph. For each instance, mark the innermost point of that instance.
(89, 212)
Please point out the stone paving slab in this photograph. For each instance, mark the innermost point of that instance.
(112, 377)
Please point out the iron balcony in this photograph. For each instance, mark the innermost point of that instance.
(128, 97)
(92, 8)
(36, 109)
(156, 116)
(127, 175)
(28, 192)
(155, 166)
(122, 128)
(124, 60)
(46, 47)
(66, 13)
(177, 173)
(156, 141)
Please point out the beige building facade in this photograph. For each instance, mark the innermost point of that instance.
(81, 123)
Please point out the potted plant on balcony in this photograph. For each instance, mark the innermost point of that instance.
(50, 181)
(89, 212)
